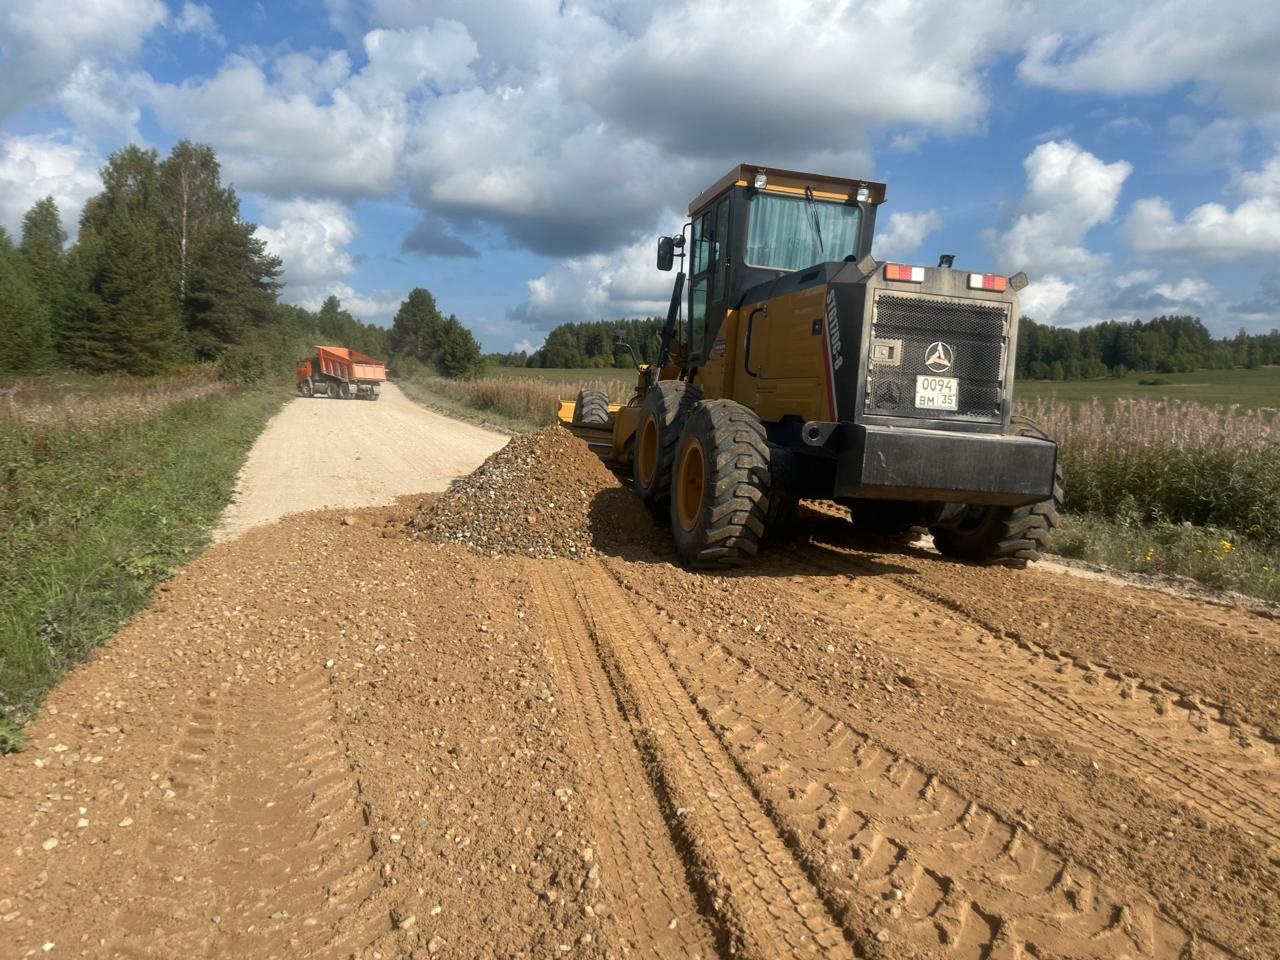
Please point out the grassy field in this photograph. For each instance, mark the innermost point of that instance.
(108, 485)
(1253, 389)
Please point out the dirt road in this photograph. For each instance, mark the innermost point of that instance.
(344, 739)
(328, 453)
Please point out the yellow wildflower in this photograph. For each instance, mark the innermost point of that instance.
(1225, 545)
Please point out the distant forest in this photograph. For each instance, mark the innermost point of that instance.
(1161, 345)
(165, 272)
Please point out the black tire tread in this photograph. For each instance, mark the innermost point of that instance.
(1013, 536)
(736, 510)
(669, 401)
(591, 408)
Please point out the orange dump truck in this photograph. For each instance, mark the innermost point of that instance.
(341, 374)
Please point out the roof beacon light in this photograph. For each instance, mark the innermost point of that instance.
(899, 271)
(987, 281)
(762, 179)
(863, 194)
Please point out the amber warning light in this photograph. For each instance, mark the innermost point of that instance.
(899, 271)
(987, 281)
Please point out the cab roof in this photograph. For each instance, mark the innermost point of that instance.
(790, 182)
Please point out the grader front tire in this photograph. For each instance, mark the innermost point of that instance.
(721, 479)
(666, 405)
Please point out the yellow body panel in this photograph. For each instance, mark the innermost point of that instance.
(788, 354)
(613, 442)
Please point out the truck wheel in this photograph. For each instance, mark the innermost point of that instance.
(304, 388)
(344, 390)
(662, 416)
(591, 408)
(1005, 536)
(331, 389)
(720, 485)
(376, 392)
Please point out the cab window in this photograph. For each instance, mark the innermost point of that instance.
(791, 233)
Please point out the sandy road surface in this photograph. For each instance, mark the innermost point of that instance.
(327, 453)
(338, 740)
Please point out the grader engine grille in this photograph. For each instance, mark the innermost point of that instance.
(905, 335)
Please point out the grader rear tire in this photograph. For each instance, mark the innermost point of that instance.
(720, 496)
(591, 409)
(662, 415)
(1004, 536)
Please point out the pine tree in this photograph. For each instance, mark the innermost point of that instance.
(43, 240)
(415, 330)
(230, 288)
(123, 313)
(26, 343)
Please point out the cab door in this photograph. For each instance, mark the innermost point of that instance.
(709, 275)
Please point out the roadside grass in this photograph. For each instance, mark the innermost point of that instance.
(571, 375)
(1210, 555)
(98, 509)
(515, 403)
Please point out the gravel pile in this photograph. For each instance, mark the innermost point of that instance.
(542, 495)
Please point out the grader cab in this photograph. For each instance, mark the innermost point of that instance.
(802, 368)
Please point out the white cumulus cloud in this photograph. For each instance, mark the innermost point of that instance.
(42, 42)
(38, 166)
(904, 233)
(1214, 231)
(1069, 191)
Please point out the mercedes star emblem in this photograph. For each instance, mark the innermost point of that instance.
(939, 357)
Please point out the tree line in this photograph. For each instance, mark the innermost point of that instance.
(590, 344)
(1161, 345)
(166, 272)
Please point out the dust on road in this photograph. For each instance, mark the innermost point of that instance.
(350, 453)
(335, 738)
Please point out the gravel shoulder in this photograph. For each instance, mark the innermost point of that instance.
(319, 453)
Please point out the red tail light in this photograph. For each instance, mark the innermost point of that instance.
(987, 281)
(899, 271)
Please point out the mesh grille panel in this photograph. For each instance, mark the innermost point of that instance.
(911, 325)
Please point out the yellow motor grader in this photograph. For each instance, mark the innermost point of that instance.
(804, 368)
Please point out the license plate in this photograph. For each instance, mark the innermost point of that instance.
(936, 393)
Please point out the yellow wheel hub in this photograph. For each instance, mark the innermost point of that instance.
(689, 485)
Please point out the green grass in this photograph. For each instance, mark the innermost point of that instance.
(97, 512)
(1218, 558)
(1251, 389)
(419, 390)
(566, 375)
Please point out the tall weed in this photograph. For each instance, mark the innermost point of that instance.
(1153, 461)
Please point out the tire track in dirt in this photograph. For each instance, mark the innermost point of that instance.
(636, 854)
(262, 846)
(1223, 770)
(742, 865)
(889, 840)
(171, 918)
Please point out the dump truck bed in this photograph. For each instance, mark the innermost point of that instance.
(350, 364)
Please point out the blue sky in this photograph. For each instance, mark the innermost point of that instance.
(518, 158)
